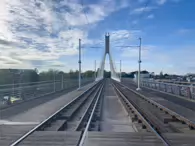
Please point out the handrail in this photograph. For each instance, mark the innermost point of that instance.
(157, 82)
(49, 81)
(190, 89)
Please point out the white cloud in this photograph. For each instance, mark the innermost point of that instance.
(176, 1)
(151, 16)
(184, 31)
(8, 60)
(142, 10)
(134, 22)
(159, 59)
(95, 12)
(124, 34)
(141, 1)
(161, 2)
(47, 30)
(134, 51)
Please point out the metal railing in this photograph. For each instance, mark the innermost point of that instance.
(186, 91)
(11, 94)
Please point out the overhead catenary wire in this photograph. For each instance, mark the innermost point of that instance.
(142, 12)
(133, 26)
(85, 13)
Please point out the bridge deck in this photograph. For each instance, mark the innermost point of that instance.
(116, 127)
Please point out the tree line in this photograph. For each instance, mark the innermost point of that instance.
(10, 76)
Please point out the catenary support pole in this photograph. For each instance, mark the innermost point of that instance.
(120, 70)
(79, 63)
(139, 70)
(95, 70)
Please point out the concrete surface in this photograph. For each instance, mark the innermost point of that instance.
(52, 138)
(10, 133)
(114, 116)
(122, 139)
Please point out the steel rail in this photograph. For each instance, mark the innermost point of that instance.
(87, 110)
(172, 113)
(85, 133)
(148, 125)
(50, 117)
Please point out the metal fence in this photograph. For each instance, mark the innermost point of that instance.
(187, 91)
(13, 93)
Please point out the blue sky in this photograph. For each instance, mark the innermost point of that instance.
(44, 34)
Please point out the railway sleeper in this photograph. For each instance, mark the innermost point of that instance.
(153, 120)
(59, 125)
(165, 118)
(174, 118)
(156, 118)
(182, 127)
(134, 118)
(191, 127)
(70, 113)
(144, 126)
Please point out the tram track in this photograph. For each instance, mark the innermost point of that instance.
(154, 117)
(69, 119)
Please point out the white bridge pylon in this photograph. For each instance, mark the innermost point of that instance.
(100, 73)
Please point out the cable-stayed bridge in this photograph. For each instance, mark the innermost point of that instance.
(114, 74)
(106, 112)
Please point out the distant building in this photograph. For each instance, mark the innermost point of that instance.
(190, 74)
(190, 77)
(143, 76)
